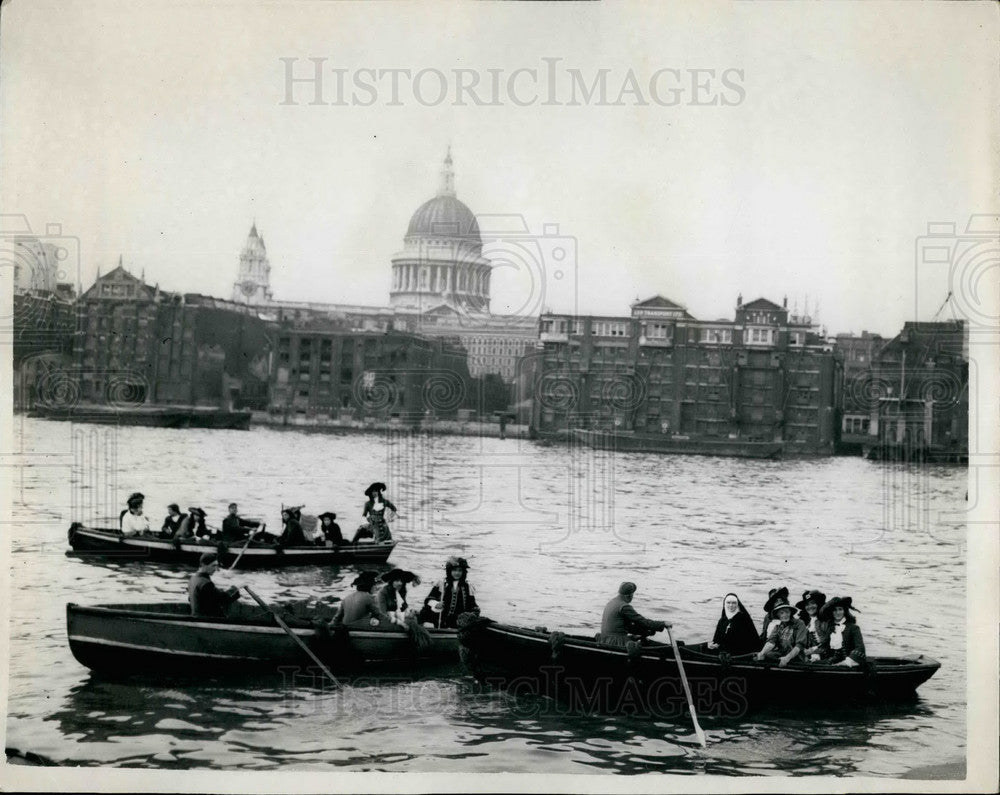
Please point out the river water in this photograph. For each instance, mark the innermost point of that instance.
(549, 533)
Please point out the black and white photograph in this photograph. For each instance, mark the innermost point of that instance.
(499, 397)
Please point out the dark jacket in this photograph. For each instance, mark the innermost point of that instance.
(455, 597)
(207, 600)
(620, 619)
(853, 645)
(358, 606)
(235, 528)
(736, 635)
(292, 535)
(389, 600)
(332, 533)
(172, 525)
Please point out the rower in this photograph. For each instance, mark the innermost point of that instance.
(620, 619)
(205, 599)
(235, 527)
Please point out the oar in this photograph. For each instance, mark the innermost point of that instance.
(246, 544)
(687, 689)
(292, 635)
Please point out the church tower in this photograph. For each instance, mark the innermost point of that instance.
(253, 283)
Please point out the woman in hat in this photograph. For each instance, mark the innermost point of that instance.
(374, 512)
(133, 521)
(359, 606)
(332, 536)
(193, 525)
(786, 637)
(844, 645)
(450, 597)
(291, 529)
(735, 632)
(391, 597)
(772, 596)
(816, 628)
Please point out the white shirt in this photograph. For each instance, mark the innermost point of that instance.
(133, 524)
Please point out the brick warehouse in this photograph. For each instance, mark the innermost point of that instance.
(765, 375)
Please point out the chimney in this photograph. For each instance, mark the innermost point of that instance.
(784, 302)
(739, 300)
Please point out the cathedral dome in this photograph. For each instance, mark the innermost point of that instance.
(444, 216)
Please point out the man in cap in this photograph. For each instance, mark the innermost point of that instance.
(360, 605)
(204, 597)
(620, 619)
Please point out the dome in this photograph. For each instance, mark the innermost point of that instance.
(444, 216)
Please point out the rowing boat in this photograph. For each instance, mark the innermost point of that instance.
(644, 677)
(166, 638)
(106, 543)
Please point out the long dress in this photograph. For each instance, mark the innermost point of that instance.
(737, 635)
(375, 512)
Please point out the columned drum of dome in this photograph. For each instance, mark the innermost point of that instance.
(441, 263)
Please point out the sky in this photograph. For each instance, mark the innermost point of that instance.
(161, 131)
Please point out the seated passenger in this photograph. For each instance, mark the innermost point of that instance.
(133, 521)
(450, 597)
(844, 645)
(735, 632)
(391, 597)
(360, 606)
(193, 525)
(332, 536)
(772, 596)
(205, 599)
(817, 629)
(786, 637)
(620, 619)
(291, 530)
(172, 522)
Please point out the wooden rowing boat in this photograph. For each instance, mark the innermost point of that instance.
(644, 678)
(166, 638)
(110, 543)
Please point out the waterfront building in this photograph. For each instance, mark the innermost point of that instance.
(856, 354)
(765, 375)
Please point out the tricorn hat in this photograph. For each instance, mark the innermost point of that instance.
(365, 580)
(198, 511)
(779, 603)
(374, 487)
(837, 601)
(400, 574)
(773, 595)
(327, 515)
(811, 596)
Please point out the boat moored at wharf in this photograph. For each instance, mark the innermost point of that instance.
(110, 543)
(644, 677)
(632, 442)
(164, 638)
(151, 416)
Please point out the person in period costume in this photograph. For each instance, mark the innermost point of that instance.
(204, 597)
(133, 521)
(234, 527)
(172, 522)
(786, 636)
(359, 607)
(193, 525)
(374, 512)
(817, 629)
(291, 530)
(391, 597)
(620, 619)
(332, 536)
(450, 597)
(844, 645)
(735, 632)
(772, 596)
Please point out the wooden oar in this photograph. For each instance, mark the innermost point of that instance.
(687, 689)
(292, 635)
(245, 545)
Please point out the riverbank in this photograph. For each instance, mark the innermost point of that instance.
(372, 425)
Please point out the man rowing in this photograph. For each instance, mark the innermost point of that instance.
(204, 597)
(620, 619)
(235, 528)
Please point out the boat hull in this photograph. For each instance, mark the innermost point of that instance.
(598, 678)
(106, 543)
(655, 443)
(167, 639)
(150, 416)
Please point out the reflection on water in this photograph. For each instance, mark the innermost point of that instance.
(549, 532)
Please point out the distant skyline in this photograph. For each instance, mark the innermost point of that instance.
(161, 132)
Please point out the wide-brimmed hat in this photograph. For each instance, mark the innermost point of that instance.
(374, 487)
(811, 596)
(365, 580)
(456, 562)
(198, 511)
(327, 515)
(135, 496)
(779, 603)
(773, 595)
(837, 601)
(400, 574)
(626, 588)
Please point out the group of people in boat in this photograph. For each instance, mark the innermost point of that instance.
(814, 631)
(179, 526)
(365, 606)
